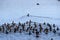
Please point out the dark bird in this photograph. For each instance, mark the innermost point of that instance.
(58, 0)
(28, 15)
(37, 4)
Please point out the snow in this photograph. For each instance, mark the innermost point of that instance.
(39, 19)
(12, 9)
(18, 36)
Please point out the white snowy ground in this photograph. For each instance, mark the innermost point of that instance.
(23, 36)
(13, 9)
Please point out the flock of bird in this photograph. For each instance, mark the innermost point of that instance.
(30, 28)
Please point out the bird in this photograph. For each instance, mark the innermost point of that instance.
(37, 4)
(28, 15)
(58, 0)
